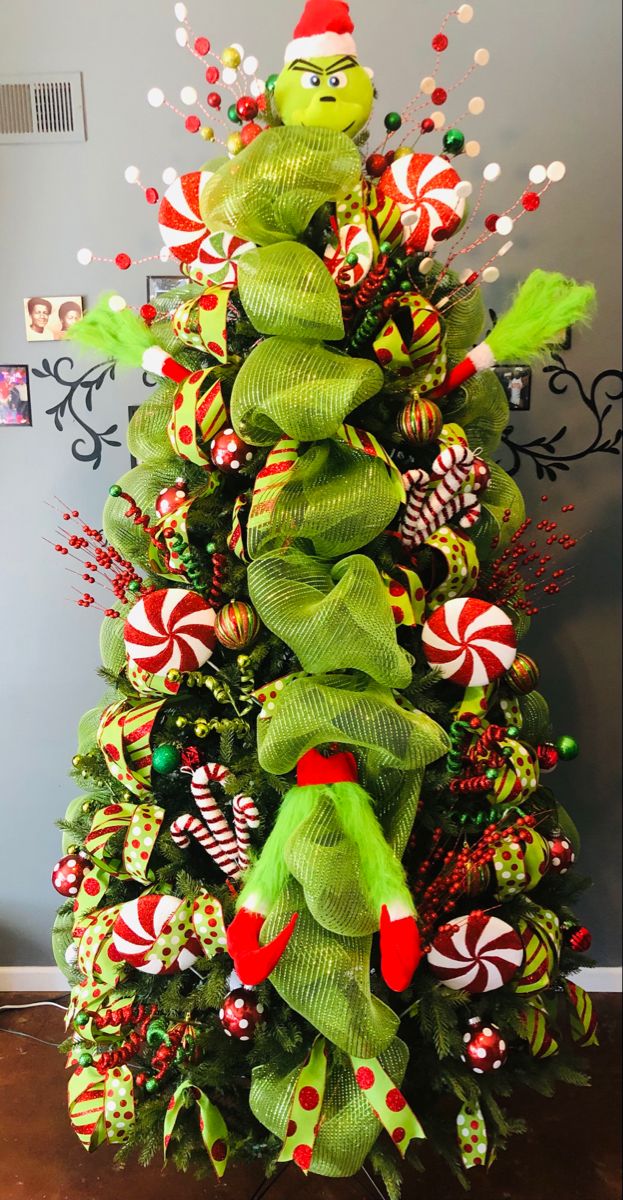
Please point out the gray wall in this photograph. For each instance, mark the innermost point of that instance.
(552, 92)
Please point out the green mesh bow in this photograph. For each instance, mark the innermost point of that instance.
(270, 192)
(331, 616)
(298, 388)
(286, 289)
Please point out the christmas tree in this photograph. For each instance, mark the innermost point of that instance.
(316, 888)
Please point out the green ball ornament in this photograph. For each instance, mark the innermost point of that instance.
(165, 759)
(352, 259)
(271, 83)
(233, 115)
(85, 1060)
(393, 122)
(453, 141)
(81, 1019)
(114, 491)
(135, 585)
(567, 747)
(151, 1086)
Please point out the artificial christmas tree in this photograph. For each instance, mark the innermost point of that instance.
(316, 886)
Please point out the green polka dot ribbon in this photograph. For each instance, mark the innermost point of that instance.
(411, 343)
(93, 959)
(386, 215)
(508, 864)
(209, 925)
(539, 961)
(213, 1129)
(305, 1109)
(548, 923)
(101, 1107)
(387, 1103)
(460, 562)
(471, 1133)
(534, 1028)
(518, 778)
(123, 736)
(143, 681)
(476, 702)
(583, 1020)
(406, 595)
(142, 823)
(198, 413)
(267, 694)
(95, 881)
(511, 709)
(201, 322)
(269, 483)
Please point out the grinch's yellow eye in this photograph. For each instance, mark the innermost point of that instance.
(310, 80)
(338, 81)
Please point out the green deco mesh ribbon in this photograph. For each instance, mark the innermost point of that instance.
(481, 408)
(270, 192)
(503, 511)
(464, 318)
(143, 483)
(331, 617)
(348, 1127)
(301, 389)
(286, 289)
(346, 708)
(336, 497)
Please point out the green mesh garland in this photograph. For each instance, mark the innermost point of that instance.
(503, 511)
(332, 617)
(286, 289)
(271, 190)
(480, 407)
(298, 388)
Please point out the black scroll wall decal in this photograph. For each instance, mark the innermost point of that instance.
(79, 392)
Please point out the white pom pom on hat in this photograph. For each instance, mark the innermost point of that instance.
(325, 29)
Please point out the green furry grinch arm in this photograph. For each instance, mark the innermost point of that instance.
(126, 338)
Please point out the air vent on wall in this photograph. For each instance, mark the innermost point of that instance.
(41, 108)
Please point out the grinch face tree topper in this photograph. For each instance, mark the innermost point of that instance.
(322, 85)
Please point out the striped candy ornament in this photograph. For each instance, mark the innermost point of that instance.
(353, 239)
(523, 675)
(138, 926)
(187, 826)
(420, 422)
(170, 629)
(217, 259)
(246, 817)
(387, 217)
(476, 954)
(425, 188)
(539, 962)
(469, 641)
(182, 228)
(201, 788)
(237, 625)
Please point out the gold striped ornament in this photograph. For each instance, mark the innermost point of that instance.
(237, 625)
(420, 421)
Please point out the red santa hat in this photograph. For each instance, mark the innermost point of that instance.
(324, 30)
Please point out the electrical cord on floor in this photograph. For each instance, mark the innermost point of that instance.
(35, 1004)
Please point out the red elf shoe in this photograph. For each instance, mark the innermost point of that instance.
(252, 961)
(400, 950)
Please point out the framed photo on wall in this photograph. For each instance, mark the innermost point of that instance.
(14, 395)
(47, 318)
(157, 284)
(517, 383)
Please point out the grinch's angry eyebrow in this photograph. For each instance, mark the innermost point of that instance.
(341, 64)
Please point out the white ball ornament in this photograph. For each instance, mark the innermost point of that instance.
(438, 118)
(250, 65)
(556, 171)
(472, 149)
(426, 266)
(490, 275)
(239, 48)
(427, 85)
(464, 189)
(131, 174)
(258, 87)
(155, 97)
(164, 254)
(181, 12)
(504, 225)
(84, 256)
(476, 106)
(492, 172)
(116, 303)
(481, 57)
(464, 14)
(188, 95)
(538, 174)
(181, 36)
(505, 249)
(169, 175)
(229, 75)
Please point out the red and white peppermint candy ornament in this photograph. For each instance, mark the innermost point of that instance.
(469, 641)
(182, 228)
(425, 188)
(354, 239)
(171, 629)
(140, 924)
(476, 953)
(217, 260)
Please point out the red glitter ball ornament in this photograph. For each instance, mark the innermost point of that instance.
(375, 165)
(192, 124)
(491, 221)
(68, 873)
(241, 1014)
(547, 756)
(228, 451)
(440, 42)
(214, 100)
(246, 107)
(484, 1047)
(171, 498)
(580, 938)
(427, 125)
(151, 195)
(123, 261)
(530, 201)
(148, 313)
(439, 96)
(249, 132)
(202, 46)
(212, 75)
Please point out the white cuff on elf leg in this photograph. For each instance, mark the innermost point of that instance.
(482, 357)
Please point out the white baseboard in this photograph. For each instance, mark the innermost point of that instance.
(50, 979)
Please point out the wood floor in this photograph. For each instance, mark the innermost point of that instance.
(570, 1153)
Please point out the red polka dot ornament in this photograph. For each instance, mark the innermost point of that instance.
(171, 498)
(68, 873)
(484, 1047)
(228, 452)
(476, 953)
(241, 1014)
(152, 919)
(469, 641)
(561, 854)
(170, 630)
(424, 186)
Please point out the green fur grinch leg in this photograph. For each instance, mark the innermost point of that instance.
(268, 876)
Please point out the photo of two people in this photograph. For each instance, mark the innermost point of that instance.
(48, 318)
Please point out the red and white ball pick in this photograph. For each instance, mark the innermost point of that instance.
(138, 926)
(476, 953)
(170, 629)
(424, 186)
(469, 641)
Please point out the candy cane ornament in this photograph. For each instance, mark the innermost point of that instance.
(201, 790)
(246, 817)
(452, 466)
(187, 826)
(416, 482)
